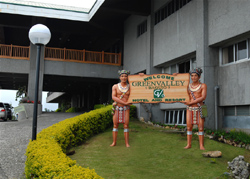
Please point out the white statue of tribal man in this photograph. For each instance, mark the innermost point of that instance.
(121, 108)
(197, 94)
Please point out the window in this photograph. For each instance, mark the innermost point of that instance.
(175, 117)
(241, 49)
(228, 54)
(229, 111)
(242, 111)
(173, 69)
(237, 110)
(183, 67)
(141, 28)
(235, 52)
(169, 9)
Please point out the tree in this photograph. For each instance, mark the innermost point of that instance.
(21, 92)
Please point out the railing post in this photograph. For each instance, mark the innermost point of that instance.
(64, 53)
(102, 56)
(29, 53)
(83, 55)
(11, 50)
(120, 59)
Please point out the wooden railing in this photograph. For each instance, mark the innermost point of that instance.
(14, 51)
(62, 54)
(84, 56)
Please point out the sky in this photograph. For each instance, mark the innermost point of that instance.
(79, 3)
(9, 96)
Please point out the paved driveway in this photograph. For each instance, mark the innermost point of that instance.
(14, 138)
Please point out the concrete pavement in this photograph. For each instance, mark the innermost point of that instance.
(14, 138)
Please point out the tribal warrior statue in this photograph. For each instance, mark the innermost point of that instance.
(121, 108)
(197, 94)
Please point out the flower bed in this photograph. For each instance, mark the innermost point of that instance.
(232, 137)
(46, 156)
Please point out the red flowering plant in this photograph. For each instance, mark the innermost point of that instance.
(29, 101)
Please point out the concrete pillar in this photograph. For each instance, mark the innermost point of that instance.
(32, 73)
(150, 69)
(204, 58)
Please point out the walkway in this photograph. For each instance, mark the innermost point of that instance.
(14, 138)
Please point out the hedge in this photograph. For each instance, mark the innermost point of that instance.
(97, 106)
(46, 156)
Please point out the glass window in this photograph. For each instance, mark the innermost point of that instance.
(173, 69)
(194, 65)
(242, 110)
(229, 111)
(142, 28)
(228, 55)
(165, 12)
(175, 117)
(156, 21)
(184, 67)
(169, 9)
(177, 4)
(241, 50)
(184, 2)
(167, 70)
(162, 14)
(235, 52)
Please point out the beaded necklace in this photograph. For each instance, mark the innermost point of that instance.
(194, 88)
(123, 89)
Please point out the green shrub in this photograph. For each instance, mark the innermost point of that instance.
(46, 156)
(72, 109)
(236, 136)
(133, 112)
(58, 110)
(97, 106)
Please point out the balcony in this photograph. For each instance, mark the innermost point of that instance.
(62, 54)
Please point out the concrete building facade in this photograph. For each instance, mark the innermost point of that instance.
(210, 34)
(175, 36)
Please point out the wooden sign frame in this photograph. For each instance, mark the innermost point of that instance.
(158, 88)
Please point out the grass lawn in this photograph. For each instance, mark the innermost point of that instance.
(153, 154)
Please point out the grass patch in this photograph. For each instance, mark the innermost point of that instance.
(153, 154)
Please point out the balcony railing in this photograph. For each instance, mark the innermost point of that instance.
(63, 54)
(14, 51)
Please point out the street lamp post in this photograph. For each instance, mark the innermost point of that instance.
(39, 35)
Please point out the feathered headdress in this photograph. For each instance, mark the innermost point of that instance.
(198, 71)
(120, 72)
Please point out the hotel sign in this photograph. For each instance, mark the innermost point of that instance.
(158, 88)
